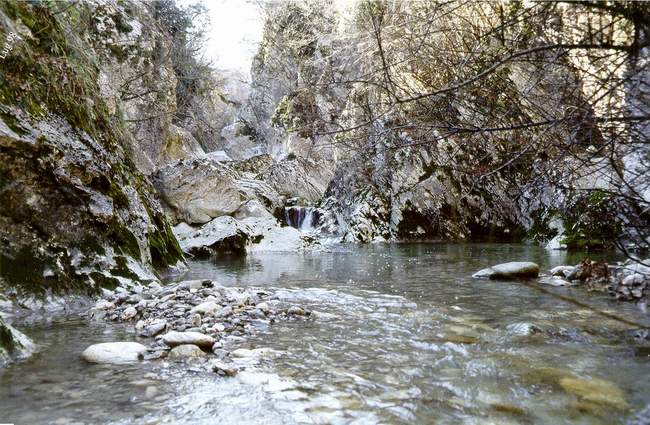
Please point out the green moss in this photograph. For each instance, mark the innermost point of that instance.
(12, 123)
(6, 340)
(122, 269)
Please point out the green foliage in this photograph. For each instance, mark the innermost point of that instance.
(591, 221)
(540, 231)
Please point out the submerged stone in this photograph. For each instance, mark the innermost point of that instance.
(596, 391)
(512, 270)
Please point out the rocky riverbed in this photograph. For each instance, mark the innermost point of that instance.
(189, 320)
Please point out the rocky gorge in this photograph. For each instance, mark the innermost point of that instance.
(136, 180)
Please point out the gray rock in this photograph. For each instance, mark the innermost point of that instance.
(154, 328)
(114, 352)
(185, 351)
(13, 344)
(296, 311)
(174, 338)
(129, 313)
(512, 270)
(208, 307)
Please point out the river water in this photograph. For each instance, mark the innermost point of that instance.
(408, 337)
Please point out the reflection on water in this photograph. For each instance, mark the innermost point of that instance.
(407, 336)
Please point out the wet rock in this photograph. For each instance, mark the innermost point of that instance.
(523, 329)
(562, 271)
(196, 338)
(223, 369)
(590, 271)
(636, 279)
(510, 270)
(185, 351)
(223, 235)
(104, 305)
(460, 339)
(208, 307)
(154, 328)
(554, 281)
(254, 353)
(224, 312)
(256, 314)
(296, 311)
(129, 313)
(547, 376)
(323, 316)
(596, 391)
(114, 352)
(13, 344)
(508, 408)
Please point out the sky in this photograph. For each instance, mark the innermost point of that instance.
(236, 28)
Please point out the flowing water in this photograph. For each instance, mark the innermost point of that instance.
(408, 337)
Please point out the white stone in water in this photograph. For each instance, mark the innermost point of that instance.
(553, 281)
(175, 338)
(510, 270)
(563, 271)
(208, 307)
(257, 352)
(114, 352)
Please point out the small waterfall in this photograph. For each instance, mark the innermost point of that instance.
(302, 218)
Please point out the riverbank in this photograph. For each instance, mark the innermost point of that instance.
(409, 337)
(189, 319)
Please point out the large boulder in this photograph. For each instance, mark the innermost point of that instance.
(226, 235)
(304, 178)
(196, 191)
(512, 270)
(221, 235)
(114, 352)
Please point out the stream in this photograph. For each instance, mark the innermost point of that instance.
(407, 337)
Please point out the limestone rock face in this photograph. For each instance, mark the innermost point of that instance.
(198, 191)
(75, 211)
